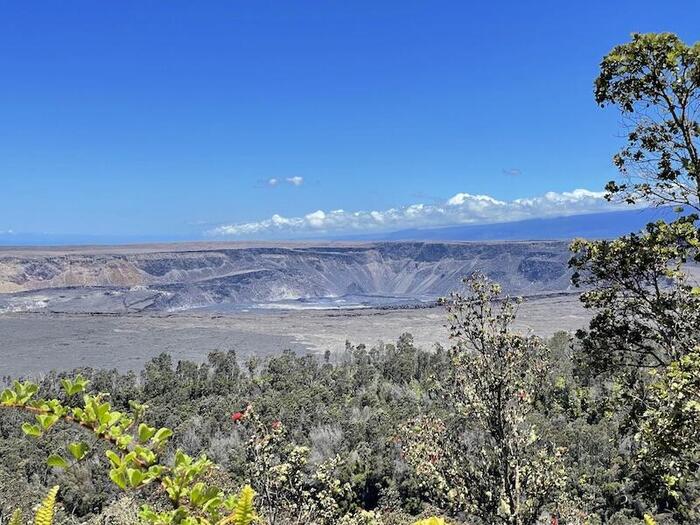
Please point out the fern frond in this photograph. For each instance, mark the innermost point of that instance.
(244, 510)
(16, 518)
(44, 515)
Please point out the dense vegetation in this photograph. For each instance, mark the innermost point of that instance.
(502, 427)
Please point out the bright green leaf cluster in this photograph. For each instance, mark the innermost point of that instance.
(134, 454)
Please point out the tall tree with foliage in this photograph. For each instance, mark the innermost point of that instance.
(646, 309)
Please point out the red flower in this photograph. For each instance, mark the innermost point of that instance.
(237, 417)
(276, 425)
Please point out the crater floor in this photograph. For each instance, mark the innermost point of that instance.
(35, 343)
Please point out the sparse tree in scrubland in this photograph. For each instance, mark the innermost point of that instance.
(646, 323)
(489, 459)
(279, 471)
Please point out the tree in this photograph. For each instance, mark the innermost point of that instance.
(655, 81)
(278, 470)
(646, 312)
(490, 460)
(645, 309)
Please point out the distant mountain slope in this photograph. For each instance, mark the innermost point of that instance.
(593, 226)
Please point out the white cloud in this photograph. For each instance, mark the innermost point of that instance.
(316, 219)
(483, 200)
(462, 208)
(273, 182)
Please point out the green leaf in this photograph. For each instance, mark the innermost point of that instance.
(162, 435)
(147, 514)
(146, 432)
(124, 441)
(102, 413)
(31, 430)
(8, 397)
(46, 420)
(196, 493)
(213, 503)
(135, 476)
(67, 385)
(79, 384)
(118, 478)
(54, 460)
(114, 418)
(114, 459)
(78, 450)
(145, 454)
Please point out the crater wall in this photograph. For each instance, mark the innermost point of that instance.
(173, 277)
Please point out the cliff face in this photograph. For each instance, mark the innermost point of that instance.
(199, 277)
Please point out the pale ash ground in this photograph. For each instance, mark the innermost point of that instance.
(33, 344)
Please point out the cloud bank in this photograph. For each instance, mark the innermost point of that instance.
(462, 208)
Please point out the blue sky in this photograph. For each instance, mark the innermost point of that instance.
(168, 120)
